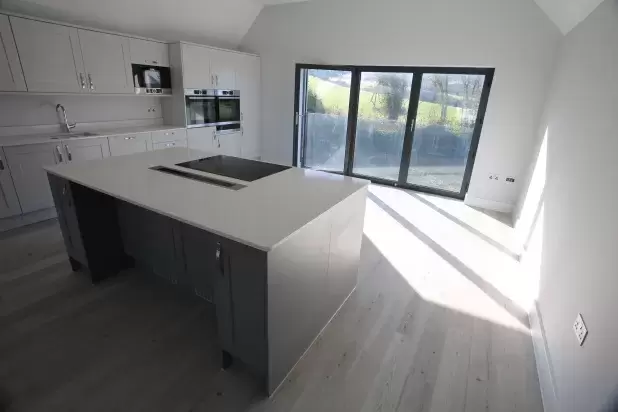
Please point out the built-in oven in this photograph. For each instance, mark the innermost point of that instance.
(228, 111)
(219, 108)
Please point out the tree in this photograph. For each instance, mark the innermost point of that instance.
(440, 82)
(472, 93)
(397, 91)
(314, 104)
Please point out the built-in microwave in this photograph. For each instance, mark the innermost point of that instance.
(220, 108)
(151, 79)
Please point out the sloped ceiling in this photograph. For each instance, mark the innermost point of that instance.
(567, 14)
(215, 22)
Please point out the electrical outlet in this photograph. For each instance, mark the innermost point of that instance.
(579, 327)
(510, 179)
(494, 177)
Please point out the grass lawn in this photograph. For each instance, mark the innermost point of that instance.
(335, 99)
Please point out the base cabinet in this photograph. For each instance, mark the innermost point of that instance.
(26, 165)
(9, 205)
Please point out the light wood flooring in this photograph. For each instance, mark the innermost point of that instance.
(134, 343)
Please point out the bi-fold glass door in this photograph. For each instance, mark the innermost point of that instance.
(405, 126)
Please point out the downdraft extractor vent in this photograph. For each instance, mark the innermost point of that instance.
(199, 178)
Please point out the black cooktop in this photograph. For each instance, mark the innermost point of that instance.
(234, 167)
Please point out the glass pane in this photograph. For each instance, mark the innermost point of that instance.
(325, 124)
(445, 120)
(381, 126)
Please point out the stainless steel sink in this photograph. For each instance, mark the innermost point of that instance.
(70, 135)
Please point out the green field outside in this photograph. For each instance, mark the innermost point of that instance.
(335, 101)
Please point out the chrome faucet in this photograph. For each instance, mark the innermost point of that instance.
(68, 125)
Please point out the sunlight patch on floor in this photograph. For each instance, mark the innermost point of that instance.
(481, 257)
(433, 278)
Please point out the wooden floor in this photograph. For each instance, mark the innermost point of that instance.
(134, 343)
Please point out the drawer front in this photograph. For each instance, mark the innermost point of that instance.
(168, 135)
(166, 145)
(129, 143)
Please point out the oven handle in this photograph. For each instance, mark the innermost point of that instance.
(200, 98)
(228, 97)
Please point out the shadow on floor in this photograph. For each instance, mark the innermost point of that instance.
(491, 291)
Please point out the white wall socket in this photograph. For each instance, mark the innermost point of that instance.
(579, 327)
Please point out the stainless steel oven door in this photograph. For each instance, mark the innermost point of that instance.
(228, 110)
(201, 111)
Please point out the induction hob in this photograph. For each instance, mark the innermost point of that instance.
(234, 167)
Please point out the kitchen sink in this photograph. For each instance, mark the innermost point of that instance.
(70, 135)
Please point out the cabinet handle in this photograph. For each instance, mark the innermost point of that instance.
(155, 62)
(69, 155)
(64, 190)
(219, 258)
(130, 138)
(1, 164)
(217, 79)
(91, 83)
(59, 150)
(242, 131)
(212, 79)
(82, 81)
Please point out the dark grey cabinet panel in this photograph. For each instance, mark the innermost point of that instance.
(67, 217)
(200, 260)
(152, 240)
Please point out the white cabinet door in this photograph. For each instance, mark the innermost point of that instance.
(107, 64)
(201, 138)
(26, 166)
(167, 145)
(150, 53)
(196, 67)
(223, 68)
(86, 149)
(50, 56)
(11, 75)
(9, 205)
(129, 143)
(169, 135)
(228, 144)
(248, 81)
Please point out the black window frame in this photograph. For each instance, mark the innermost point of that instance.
(418, 72)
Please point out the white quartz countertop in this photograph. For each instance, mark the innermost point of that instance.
(261, 215)
(20, 140)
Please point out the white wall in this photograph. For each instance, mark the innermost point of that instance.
(515, 37)
(17, 111)
(579, 268)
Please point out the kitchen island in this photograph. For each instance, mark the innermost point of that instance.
(275, 249)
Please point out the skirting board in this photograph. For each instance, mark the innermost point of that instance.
(488, 204)
(543, 361)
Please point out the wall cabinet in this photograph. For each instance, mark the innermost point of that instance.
(9, 205)
(223, 69)
(86, 149)
(11, 75)
(106, 62)
(26, 165)
(129, 143)
(248, 82)
(196, 67)
(58, 58)
(201, 138)
(148, 52)
(50, 56)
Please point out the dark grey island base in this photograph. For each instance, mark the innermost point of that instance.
(270, 305)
